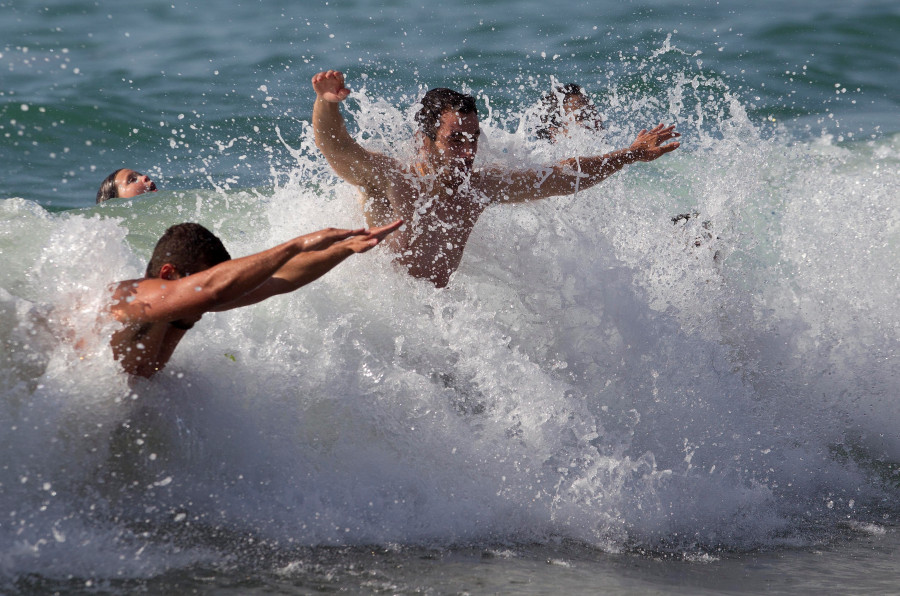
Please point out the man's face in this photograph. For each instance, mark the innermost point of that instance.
(131, 184)
(456, 141)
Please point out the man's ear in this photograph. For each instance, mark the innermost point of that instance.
(168, 271)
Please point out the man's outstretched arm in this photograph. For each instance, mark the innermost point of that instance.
(580, 173)
(174, 298)
(348, 158)
(310, 265)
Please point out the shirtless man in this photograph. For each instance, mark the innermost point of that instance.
(441, 195)
(124, 184)
(190, 273)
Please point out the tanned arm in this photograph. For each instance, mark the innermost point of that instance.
(348, 158)
(162, 300)
(582, 172)
(309, 266)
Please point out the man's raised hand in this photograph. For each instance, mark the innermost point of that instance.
(649, 143)
(329, 86)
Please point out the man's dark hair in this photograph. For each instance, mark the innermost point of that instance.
(436, 102)
(189, 247)
(108, 189)
(552, 109)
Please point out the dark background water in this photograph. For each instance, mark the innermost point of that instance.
(192, 92)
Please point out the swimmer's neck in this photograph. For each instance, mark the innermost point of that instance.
(444, 175)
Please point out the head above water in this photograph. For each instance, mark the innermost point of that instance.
(567, 103)
(124, 184)
(436, 102)
(448, 121)
(189, 248)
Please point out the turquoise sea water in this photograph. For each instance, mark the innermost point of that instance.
(192, 92)
(601, 400)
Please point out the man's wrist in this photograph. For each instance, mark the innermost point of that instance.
(627, 156)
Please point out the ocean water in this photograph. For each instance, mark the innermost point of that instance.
(602, 399)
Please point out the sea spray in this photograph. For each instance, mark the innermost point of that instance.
(599, 370)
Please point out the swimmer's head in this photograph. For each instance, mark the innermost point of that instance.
(436, 102)
(124, 184)
(566, 104)
(189, 248)
(448, 121)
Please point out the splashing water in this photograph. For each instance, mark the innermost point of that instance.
(599, 370)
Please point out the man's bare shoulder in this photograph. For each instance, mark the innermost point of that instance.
(123, 294)
(377, 174)
(133, 299)
(124, 289)
(494, 181)
(387, 168)
(391, 178)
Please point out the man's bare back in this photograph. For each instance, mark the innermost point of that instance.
(441, 195)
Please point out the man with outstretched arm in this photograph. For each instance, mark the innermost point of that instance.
(441, 195)
(190, 273)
